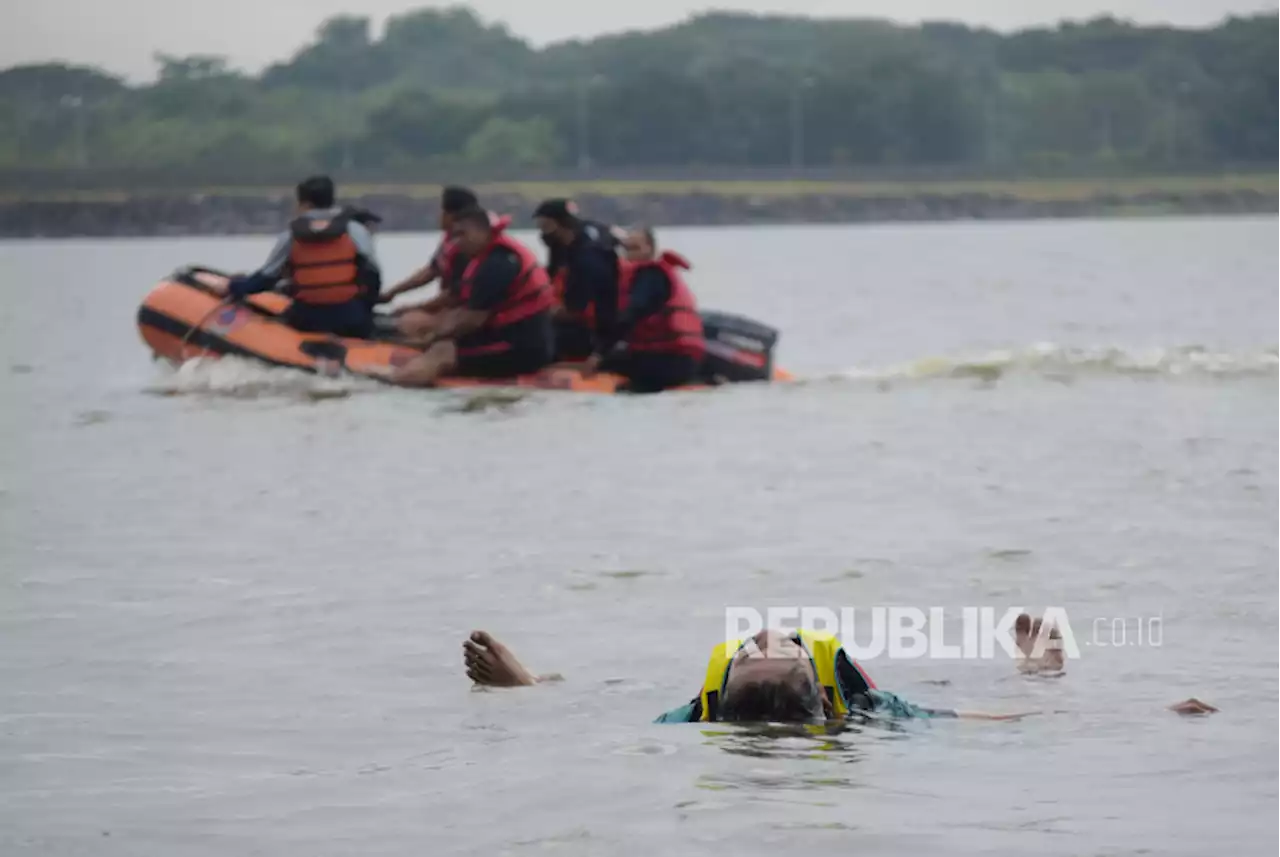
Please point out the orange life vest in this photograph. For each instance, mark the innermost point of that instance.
(528, 294)
(323, 261)
(677, 327)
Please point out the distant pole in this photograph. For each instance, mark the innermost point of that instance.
(584, 120)
(797, 123)
(1175, 120)
(346, 137)
(76, 104)
(584, 126)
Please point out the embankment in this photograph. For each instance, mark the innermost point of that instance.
(230, 211)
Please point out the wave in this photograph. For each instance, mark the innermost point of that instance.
(1067, 362)
(243, 378)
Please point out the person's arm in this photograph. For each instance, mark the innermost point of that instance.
(690, 712)
(265, 277)
(419, 278)
(888, 704)
(591, 274)
(650, 291)
(489, 288)
(605, 295)
(416, 280)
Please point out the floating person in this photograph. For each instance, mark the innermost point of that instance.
(328, 256)
(774, 676)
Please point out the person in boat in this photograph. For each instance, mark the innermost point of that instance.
(328, 256)
(773, 677)
(657, 342)
(501, 325)
(453, 200)
(583, 264)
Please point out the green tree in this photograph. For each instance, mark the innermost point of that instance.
(506, 143)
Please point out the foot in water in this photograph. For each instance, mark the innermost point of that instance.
(491, 664)
(1038, 656)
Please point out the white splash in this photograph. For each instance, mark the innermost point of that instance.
(1054, 361)
(244, 378)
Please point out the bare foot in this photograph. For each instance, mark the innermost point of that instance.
(1027, 635)
(1192, 706)
(491, 664)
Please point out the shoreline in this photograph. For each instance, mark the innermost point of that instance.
(254, 211)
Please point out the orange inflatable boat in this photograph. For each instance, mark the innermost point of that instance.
(183, 318)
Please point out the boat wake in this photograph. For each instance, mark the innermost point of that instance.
(1063, 363)
(243, 378)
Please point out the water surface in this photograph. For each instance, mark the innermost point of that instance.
(233, 599)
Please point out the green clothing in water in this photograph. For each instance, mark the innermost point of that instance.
(883, 704)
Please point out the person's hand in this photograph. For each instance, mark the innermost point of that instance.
(385, 297)
(591, 366)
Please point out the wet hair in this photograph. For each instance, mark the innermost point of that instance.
(794, 699)
(316, 191)
(454, 200)
(472, 216)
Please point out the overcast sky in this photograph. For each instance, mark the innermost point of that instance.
(121, 35)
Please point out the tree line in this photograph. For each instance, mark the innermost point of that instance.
(442, 90)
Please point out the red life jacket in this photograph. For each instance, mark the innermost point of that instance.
(677, 327)
(557, 285)
(323, 261)
(447, 258)
(528, 294)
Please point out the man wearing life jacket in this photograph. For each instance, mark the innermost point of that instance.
(583, 266)
(657, 342)
(327, 254)
(453, 200)
(501, 325)
(772, 677)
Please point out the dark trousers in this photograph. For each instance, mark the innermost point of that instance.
(573, 340)
(353, 318)
(652, 372)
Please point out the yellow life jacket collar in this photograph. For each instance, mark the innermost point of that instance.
(823, 648)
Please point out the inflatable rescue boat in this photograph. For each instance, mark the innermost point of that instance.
(184, 317)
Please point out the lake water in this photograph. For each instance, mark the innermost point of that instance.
(233, 599)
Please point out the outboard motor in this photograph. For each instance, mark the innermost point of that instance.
(738, 349)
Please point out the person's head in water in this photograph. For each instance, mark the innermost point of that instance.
(472, 230)
(640, 243)
(772, 679)
(557, 221)
(315, 193)
(454, 201)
